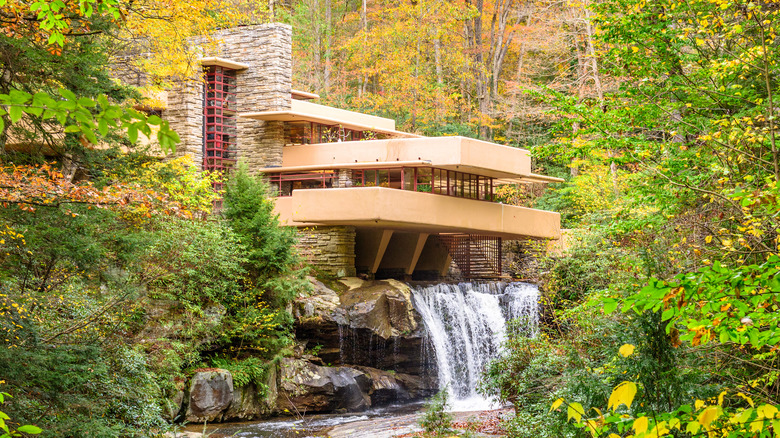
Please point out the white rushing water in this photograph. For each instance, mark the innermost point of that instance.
(467, 324)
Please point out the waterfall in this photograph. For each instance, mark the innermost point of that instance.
(467, 324)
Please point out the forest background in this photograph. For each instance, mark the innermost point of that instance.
(661, 116)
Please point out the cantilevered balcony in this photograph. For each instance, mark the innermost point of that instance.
(303, 111)
(451, 153)
(386, 208)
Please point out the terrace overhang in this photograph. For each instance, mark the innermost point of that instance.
(223, 62)
(508, 164)
(303, 95)
(401, 210)
(303, 111)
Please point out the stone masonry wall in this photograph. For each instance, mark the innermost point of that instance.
(264, 86)
(330, 249)
(185, 115)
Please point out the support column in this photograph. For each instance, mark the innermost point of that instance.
(384, 239)
(421, 239)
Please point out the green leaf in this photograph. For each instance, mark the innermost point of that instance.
(132, 134)
(15, 113)
(753, 335)
(89, 133)
(610, 305)
(86, 102)
(668, 314)
(103, 127)
(18, 97)
(67, 94)
(36, 111)
(32, 430)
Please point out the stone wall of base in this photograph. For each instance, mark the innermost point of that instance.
(329, 249)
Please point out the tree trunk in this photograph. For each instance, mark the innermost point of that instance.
(328, 44)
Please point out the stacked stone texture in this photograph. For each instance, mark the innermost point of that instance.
(264, 86)
(331, 249)
(185, 115)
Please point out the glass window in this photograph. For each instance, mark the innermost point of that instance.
(424, 179)
(409, 178)
(383, 180)
(370, 178)
(394, 178)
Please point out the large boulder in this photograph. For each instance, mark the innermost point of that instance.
(385, 388)
(384, 307)
(306, 387)
(210, 393)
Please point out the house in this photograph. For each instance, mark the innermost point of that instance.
(366, 197)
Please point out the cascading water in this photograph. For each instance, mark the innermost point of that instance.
(467, 324)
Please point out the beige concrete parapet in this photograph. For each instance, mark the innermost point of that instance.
(453, 153)
(303, 111)
(379, 207)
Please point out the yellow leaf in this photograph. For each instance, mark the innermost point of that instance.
(635, 49)
(747, 399)
(575, 411)
(626, 350)
(556, 404)
(708, 416)
(708, 239)
(767, 411)
(698, 404)
(623, 394)
(640, 424)
(660, 429)
(592, 427)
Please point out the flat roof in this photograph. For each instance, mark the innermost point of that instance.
(458, 154)
(303, 111)
(303, 94)
(355, 165)
(223, 62)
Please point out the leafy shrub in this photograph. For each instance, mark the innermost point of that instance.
(245, 371)
(437, 419)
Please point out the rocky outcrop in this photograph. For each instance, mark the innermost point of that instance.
(212, 397)
(365, 323)
(384, 307)
(210, 393)
(307, 387)
(368, 333)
